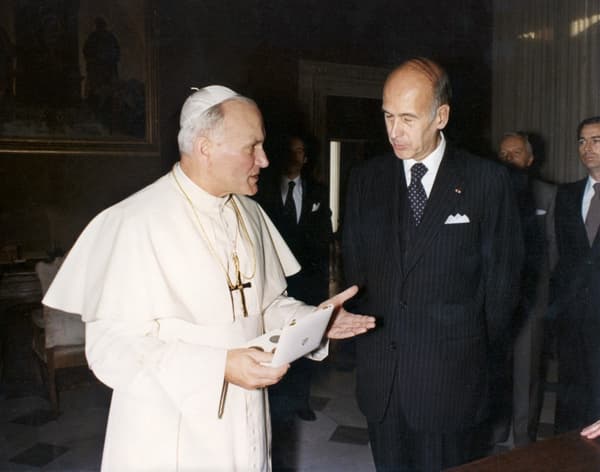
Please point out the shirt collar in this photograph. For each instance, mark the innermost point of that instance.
(285, 181)
(432, 161)
(590, 183)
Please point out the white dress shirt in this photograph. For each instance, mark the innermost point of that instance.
(588, 193)
(432, 162)
(297, 194)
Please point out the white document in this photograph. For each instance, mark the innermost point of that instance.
(300, 336)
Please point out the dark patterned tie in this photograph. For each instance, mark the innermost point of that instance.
(592, 219)
(416, 193)
(289, 207)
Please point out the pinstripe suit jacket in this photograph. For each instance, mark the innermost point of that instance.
(443, 293)
(575, 301)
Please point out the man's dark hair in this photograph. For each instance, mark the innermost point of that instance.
(593, 120)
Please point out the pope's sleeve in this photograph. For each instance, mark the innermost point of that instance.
(128, 356)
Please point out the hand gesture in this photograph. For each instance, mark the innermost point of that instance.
(346, 324)
(592, 431)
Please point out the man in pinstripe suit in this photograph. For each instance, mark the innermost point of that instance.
(439, 262)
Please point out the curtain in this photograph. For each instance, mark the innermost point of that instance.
(546, 75)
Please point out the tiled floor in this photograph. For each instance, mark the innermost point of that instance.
(337, 440)
(33, 439)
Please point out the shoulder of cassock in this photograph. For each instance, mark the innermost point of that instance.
(114, 269)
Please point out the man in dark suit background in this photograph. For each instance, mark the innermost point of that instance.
(536, 200)
(438, 257)
(299, 207)
(576, 288)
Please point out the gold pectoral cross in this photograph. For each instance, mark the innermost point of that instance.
(239, 286)
(232, 288)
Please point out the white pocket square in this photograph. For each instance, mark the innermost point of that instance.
(540, 212)
(457, 219)
(315, 207)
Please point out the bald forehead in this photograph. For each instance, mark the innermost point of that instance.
(424, 72)
(406, 86)
(407, 77)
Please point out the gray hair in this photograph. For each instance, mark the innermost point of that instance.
(204, 124)
(519, 134)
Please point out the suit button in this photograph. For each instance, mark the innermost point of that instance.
(393, 345)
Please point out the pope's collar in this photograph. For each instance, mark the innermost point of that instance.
(197, 194)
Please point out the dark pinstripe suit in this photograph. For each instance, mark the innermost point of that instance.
(576, 300)
(444, 293)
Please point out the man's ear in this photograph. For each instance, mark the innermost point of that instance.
(442, 116)
(202, 146)
(530, 160)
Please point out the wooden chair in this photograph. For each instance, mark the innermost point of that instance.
(58, 337)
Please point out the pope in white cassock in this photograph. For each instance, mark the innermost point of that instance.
(171, 283)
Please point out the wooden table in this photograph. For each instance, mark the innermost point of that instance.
(565, 453)
(19, 289)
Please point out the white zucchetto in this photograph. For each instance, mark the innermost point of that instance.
(201, 100)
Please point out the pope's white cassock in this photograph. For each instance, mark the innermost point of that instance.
(160, 318)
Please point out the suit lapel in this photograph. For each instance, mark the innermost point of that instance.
(440, 204)
(581, 231)
(306, 200)
(278, 202)
(396, 182)
(578, 221)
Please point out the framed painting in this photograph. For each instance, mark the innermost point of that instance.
(78, 77)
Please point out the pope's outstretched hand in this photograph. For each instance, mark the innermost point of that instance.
(346, 324)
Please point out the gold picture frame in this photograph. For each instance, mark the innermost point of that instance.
(78, 77)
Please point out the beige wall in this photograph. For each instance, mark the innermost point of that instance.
(546, 75)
